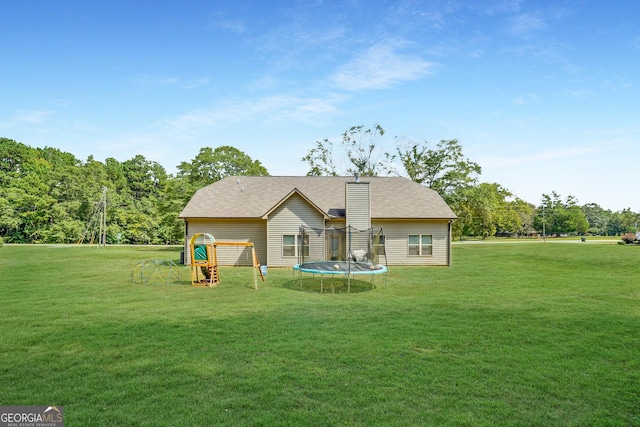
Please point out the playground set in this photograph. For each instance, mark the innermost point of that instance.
(204, 260)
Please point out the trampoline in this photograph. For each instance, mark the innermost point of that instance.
(340, 267)
(344, 270)
(358, 253)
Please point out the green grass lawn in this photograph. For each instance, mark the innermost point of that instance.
(538, 334)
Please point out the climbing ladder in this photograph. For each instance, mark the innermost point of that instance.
(204, 259)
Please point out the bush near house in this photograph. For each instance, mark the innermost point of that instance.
(629, 238)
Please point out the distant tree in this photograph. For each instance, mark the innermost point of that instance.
(13, 155)
(115, 174)
(556, 216)
(444, 169)
(485, 209)
(361, 144)
(615, 226)
(211, 165)
(320, 159)
(597, 217)
(526, 211)
(144, 178)
(360, 147)
(629, 220)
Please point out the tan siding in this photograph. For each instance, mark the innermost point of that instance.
(358, 211)
(287, 219)
(235, 231)
(397, 235)
(358, 205)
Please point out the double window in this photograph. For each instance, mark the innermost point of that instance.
(291, 245)
(420, 245)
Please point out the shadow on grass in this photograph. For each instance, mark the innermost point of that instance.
(329, 285)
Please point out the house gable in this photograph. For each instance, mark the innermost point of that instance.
(285, 220)
(294, 192)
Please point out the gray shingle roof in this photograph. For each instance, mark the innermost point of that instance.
(254, 196)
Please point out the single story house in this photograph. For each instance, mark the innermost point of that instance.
(269, 210)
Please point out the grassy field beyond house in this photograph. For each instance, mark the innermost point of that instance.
(511, 335)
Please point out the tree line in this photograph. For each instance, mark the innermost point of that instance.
(49, 196)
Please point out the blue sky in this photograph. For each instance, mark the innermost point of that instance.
(544, 95)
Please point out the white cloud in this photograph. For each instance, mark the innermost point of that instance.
(233, 25)
(35, 117)
(381, 66)
(527, 158)
(500, 6)
(156, 80)
(526, 99)
(196, 83)
(526, 24)
(272, 108)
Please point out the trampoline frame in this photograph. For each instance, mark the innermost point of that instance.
(347, 268)
(336, 268)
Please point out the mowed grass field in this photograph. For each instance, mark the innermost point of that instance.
(514, 334)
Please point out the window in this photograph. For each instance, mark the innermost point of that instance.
(291, 243)
(420, 245)
(378, 244)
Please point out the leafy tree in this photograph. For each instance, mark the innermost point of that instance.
(629, 220)
(615, 224)
(13, 155)
(176, 194)
(115, 174)
(526, 211)
(211, 165)
(556, 216)
(485, 209)
(359, 145)
(320, 159)
(144, 177)
(597, 217)
(444, 169)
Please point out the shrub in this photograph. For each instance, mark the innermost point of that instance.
(628, 238)
(1, 242)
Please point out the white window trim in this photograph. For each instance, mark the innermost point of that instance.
(296, 245)
(419, 245)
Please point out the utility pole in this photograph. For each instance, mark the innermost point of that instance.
(103, 220)
(544, 226)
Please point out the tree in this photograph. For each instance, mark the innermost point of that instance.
(359, 146)
(485, 209)
(629, 220)
(555, 216)
(526, 211)
(211, 165)
(597, 217)
(443, 169)
(144, 177)
(13, 155)
(320, 159)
